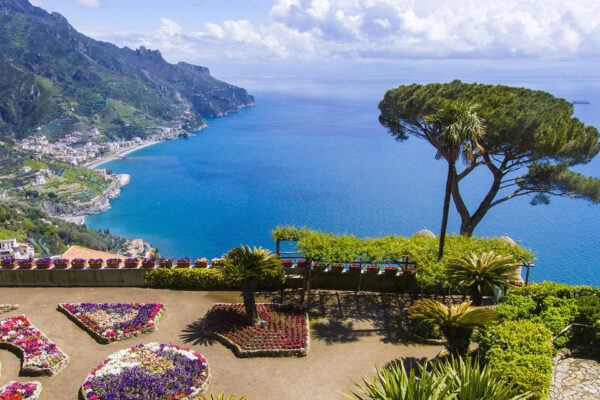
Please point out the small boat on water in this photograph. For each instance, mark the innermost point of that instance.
(580, 102)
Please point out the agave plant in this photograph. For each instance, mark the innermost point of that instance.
(476, 272)
(244, 266)
(453, 379)
(221, 396)
(456, 321)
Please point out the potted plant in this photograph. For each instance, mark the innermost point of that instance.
(26, 263)
(43, 263)
(301, 263)
(78, 263)
(319, 267)
(95, 263)
(201, 262)
(113, 262)
(8, 263)
(132, 262)
(184, 262)
(287, 263)
(61, 263)
(337, 268)
(216, 262)
(165, 262)
(355, 268)
(390, 270)
(373, 269)
(149, 262)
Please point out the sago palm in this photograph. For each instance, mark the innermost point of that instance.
(222, 397)
(478, 272)
(455, 129)
(456, 321)
(244, 266)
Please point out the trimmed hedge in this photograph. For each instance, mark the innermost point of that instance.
(202, 279)
(520, 352)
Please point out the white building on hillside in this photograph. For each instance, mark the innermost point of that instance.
(10, 248)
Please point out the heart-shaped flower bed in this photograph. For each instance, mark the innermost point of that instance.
(20, 391)
(151, 371)
(109, 322)
(283, 330)
(40, 355)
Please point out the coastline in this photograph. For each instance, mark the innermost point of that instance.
(119, 154)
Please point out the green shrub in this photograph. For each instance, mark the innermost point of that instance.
(588, 308)
(520, 352)
(557, 314)
(513, 307)
(202, 279)
(539, 291)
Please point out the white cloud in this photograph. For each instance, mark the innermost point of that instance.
(391, 29)
(90, 3)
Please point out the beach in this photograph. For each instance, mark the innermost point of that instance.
(119, 154)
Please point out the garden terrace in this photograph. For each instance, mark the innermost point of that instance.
(356, 329)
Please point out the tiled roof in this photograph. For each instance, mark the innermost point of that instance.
(85, 253)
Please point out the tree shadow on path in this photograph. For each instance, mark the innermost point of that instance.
(192, 334)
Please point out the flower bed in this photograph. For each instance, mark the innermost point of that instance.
(285, 332)
(4, 308)
(108, 322)
(20, 391)
(150, 371)
(40, 355)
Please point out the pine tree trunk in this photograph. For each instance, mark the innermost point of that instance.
(250, 304)
(449, 182)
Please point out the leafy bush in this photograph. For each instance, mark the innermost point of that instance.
(521, 352)
(557, 314)
(513, 307)
(202, 279)
(588, 314)
(539, 291)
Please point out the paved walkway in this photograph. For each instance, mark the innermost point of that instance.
(575, 379)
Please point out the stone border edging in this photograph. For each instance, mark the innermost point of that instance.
(238, 351)
(123, 336)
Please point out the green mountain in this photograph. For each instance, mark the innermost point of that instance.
(53, 74)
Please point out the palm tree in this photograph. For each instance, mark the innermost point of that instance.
(476, 272)
(455, 130)
(454, 379)
(456, 321)
(244, 266)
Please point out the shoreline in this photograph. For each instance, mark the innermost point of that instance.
(119, 154)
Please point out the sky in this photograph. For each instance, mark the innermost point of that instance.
(286, 32)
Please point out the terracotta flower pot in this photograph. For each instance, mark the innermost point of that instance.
(319, 267)
(43, 265)
(8, 264)
(391, 271)
(337, 268)
(132, 264)
(27, 265)
(302, 263)
(61, 265)
(95, 265)
(184, 263)
(166, 264)
(148, 264)
(355, 268)
(287, 263)
(201, 263)
(373, 269)
(77, 264)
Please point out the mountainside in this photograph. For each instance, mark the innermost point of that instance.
(52, 73)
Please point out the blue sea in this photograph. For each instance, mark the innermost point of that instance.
(312, 153)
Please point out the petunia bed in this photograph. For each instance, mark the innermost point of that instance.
(20, 391)
(151, 372)
(283, 330)
(108, 322)
(40, 355)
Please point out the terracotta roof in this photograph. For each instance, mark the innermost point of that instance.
(85, 253)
